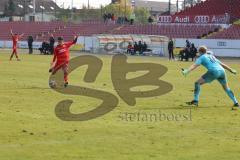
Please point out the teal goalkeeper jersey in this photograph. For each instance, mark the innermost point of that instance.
(210, 62)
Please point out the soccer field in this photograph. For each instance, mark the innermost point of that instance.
(30, 130)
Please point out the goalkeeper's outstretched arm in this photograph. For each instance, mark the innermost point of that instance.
(190, 69)
(225, 66)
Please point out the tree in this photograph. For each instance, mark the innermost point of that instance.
(64, 14)
(120, 9)
(142, 15)
(9, 8)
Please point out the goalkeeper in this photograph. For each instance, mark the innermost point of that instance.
(215, 72)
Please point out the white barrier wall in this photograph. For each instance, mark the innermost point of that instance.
(220, 47)
(21, 44)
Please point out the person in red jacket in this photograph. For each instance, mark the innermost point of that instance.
(61, 58)
(15, 39)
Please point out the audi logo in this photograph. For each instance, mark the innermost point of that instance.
(202, 19)
(165, 19)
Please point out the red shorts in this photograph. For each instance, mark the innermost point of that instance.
(62, 65)
(14, 49)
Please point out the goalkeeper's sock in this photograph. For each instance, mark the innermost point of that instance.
(231, 95)
(197, 92)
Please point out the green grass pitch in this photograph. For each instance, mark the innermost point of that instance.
(29, 129)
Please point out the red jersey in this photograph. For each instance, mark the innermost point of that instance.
(15, 39)
(61, 52)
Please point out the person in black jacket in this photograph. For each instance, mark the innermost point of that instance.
(135, 47)
(30, 44)
(193, 51)
(140, 47)
(171, 49)
(51, 44)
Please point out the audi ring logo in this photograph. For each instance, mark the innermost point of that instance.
(202, 19)
(165, 19)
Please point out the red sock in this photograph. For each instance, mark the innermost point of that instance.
(65, 77)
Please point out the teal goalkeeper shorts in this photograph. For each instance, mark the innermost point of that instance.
(212, 75)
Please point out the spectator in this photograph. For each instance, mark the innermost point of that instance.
(113, 18)
(132, 18)
(105, 17)
(140, 47)
(182, 54)
(135, 47)
(188, 44)
(45, 48)
(51, 44)
(193, 51)
(150, 19)
(130, 49)
(30, 44)
(126, 20)
(145, 47)
(171, 49)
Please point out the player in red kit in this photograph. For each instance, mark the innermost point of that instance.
(61, 58)
(15, 39)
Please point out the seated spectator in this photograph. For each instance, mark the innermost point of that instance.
(145, 47)
(193, 52)
(135, 47)
(182, 54)
(140, 47)
(45, 49)
(130, 49)
(185, 54)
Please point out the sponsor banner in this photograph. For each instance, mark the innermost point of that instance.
(118, 43)
(220, 47)
(198, 19)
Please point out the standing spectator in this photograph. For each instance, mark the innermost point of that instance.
(171, 49)
(150, 19)
(188, 44)
(51, 44)
(30, 44)
(105, 17)
(113, 19)
(132, 18)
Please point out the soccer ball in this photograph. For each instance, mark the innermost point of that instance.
(52, 84)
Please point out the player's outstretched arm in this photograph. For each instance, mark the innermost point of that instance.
(233, 71)
(11, 32)
(185, 72)
(69, 44)
(21, 35)
(75, 39)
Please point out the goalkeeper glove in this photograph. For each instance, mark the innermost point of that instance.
(185, 72)
(233, 71)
